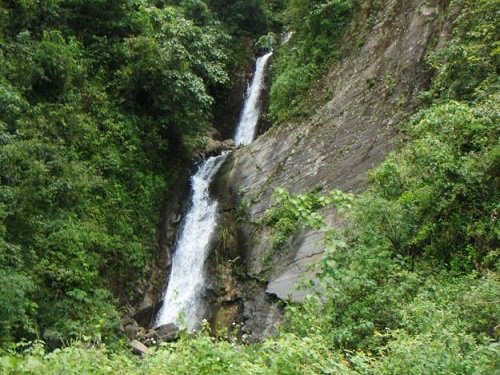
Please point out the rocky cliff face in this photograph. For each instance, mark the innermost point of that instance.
(359, 106)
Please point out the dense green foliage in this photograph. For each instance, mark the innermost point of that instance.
(239, 17)
(317, 27)
(249, 17)
(304, 210)
(98, 103)
(410, 286)
(201, 354)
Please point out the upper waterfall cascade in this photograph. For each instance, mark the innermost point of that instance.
(245, 131)
(182, 303)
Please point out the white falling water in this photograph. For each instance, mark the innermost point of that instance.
(181, 304)
(182, 300)
(245, 132)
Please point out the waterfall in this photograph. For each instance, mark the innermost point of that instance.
(245, 132)
(182, 299)
(181, 303)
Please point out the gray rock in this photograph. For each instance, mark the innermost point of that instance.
(139, 348)
(146, 314)
(168, 332)
(131, 328)
(284, 280)
(429, 12)
(214, 147)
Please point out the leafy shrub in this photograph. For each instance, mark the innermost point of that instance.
(292, 212)
(468, 66)
(439, 334)
(242, 17)
(78, 359)
(287, 354)
(15, 308)
(318, 25)
(442, 186)
(48, 69)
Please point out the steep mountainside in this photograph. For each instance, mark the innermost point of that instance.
(359, 106)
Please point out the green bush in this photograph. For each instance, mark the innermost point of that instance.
(48, 69)
(294, 212)
(442, 186)
(16, 309)
(318, 25)
(242, 17)
(468, 66)
(287, 354)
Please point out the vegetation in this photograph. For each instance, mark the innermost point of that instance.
(100, 102)
(294, 212)
(411, 286)
(317, 27)
(199, 355)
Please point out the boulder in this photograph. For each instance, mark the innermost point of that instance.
(131, 330)
(226, 317)
(165, 333)
(214, 147)
(139, 348)
(168, 332)
(129, 326)
(147, 313)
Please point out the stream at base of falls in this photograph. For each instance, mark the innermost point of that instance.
(182, 302)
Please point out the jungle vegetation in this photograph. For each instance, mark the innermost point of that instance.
(101, 103)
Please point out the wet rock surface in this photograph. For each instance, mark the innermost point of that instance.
(165, 333)
(214, 147)
(283, 281)
(130, 327)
